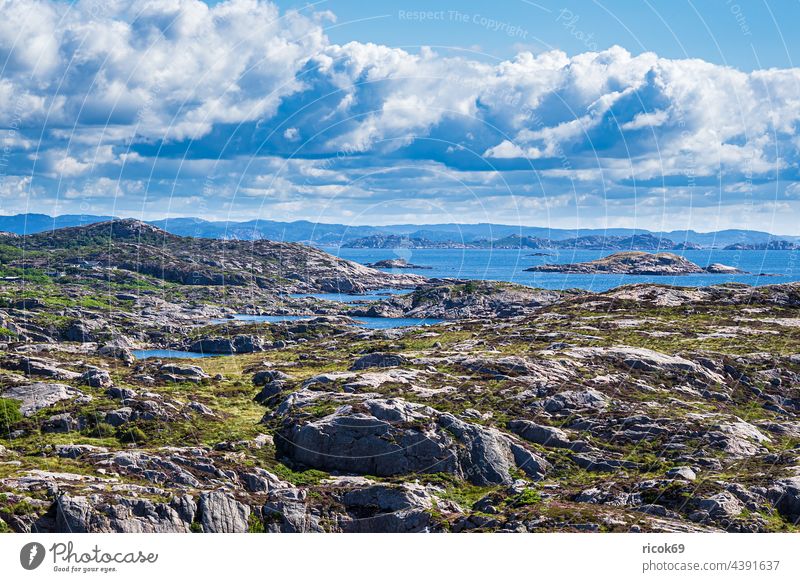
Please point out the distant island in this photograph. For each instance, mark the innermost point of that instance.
(515, 241)
(430, 236)
(637, 263)
(395, 264)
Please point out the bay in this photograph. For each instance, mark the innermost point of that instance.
(510, 264)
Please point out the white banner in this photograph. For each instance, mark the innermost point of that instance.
(385, 557)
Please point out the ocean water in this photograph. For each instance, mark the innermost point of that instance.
(510, 265)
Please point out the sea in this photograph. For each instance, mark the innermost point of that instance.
(763, 267)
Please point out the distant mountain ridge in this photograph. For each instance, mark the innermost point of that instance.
(447, 235)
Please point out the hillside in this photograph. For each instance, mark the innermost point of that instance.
(138, 247)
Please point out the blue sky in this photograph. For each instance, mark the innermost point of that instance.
(658, 115)
(744, 34)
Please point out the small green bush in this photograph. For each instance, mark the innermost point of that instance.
(254, 524)
(131, 434)
(9, 414)
(101, 430)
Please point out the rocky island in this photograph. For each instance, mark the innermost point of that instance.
(636, 263)
(395, 264)
(644, 408)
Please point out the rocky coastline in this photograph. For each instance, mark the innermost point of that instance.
(647, 407)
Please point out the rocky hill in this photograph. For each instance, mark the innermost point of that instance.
(137, 247)
(636, 263)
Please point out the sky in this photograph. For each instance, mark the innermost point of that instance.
(654, 114)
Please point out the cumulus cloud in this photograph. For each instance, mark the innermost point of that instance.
(174, 93)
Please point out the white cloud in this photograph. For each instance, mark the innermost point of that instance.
(93, 90)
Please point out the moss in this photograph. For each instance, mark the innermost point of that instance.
(9, 414)
(528, 497)
(255, 524)
(302, 478)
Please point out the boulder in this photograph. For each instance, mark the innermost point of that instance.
(96, 378)
(221, 513)
(721, 505)
(546, 436)
(120, 352)
(78, 331)
(685, 473)
(60, 423)
(263, 377)
(119, 416)
(785, 495)
(38, 367)
(179, 373)
(93, 514)
(379, 360)
(387, 437)
(388, 509)
(213, 345)
(34, 397)
(247, 344)
(121, 393)
(572, 401)
(287, 511)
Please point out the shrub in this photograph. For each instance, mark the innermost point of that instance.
(101, 430)
(254, 524)
(9, 413)
(131, 434)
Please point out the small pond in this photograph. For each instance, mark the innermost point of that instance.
(145, 354)
(367, 322)
(377, 295)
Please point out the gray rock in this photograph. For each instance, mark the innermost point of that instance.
(287, 511)
(78, 331)
(76, 451)
(247, 344)
(213, 345)
(179, 373)
(221, 513)
(119, 416)
(379, 360)
(388, 509)
(574, 400)
(34, 397)
(38, 367)
(269, 393)
(262, 481)
(60, 423)
(685, 473)
(721, 505)
(113, 350)
(201, 408)
(263, 377)
(121, 393)
(785, 495)
(393, 437)
(96, 378)
(546, 436)
(80, 514)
